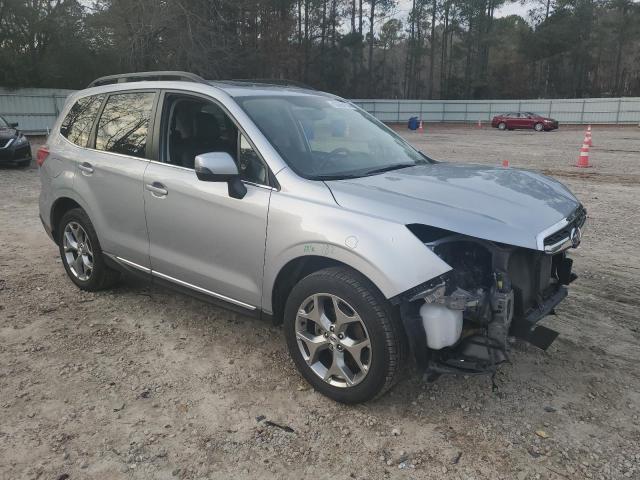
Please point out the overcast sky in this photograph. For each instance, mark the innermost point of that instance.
(404, 6)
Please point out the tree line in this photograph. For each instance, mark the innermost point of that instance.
(445, 49)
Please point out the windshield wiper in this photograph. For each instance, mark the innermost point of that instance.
(388, 168)
(337, 176)
(360, 174)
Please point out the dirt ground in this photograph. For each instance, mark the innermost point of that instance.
(143, 383)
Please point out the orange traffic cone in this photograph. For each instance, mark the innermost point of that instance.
(588, 136)
(421, 127)
(583, 158)
(505, 163)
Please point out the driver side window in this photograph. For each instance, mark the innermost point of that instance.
(192, 126)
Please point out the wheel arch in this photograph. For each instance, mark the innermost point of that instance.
(59, 207)
(294, 271)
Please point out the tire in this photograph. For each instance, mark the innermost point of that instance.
(538, 127)
(99, 276)
(24, 163)
(377, 321)
(502, 126)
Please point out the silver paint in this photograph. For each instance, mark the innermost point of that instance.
(196, 235)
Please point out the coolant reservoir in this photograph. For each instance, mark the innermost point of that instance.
(442, 325)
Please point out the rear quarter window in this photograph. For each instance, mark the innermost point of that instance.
(124, 123)
(77, 124)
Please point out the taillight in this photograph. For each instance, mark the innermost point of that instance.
(41, 156)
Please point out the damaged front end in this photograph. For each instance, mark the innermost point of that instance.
(459, 322)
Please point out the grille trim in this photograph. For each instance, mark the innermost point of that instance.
(576, 219)
(558, 236)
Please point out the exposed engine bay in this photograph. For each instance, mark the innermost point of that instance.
(461, 321)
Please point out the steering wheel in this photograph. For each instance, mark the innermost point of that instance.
(333, 155)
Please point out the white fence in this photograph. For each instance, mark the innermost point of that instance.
(587, 110)
(35, 109)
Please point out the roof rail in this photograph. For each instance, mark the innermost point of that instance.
(141, 76)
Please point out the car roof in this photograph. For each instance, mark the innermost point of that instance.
(246, 88)
(232, 88)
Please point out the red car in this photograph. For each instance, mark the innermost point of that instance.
(510, 121)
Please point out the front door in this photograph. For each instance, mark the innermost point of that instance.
(521, 120)
(200, 237)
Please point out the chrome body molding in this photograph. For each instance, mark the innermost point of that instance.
(181, 282)
(132, 264)
(203, 290)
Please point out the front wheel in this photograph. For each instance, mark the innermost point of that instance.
(502, 126)
(343, 335)
(81, 253)
(538, 127)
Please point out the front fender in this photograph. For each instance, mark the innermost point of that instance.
(386, 252)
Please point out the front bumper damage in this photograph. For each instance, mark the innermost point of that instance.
(492, 292)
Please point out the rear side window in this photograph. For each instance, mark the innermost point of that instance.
(76, 126)
(124, 123)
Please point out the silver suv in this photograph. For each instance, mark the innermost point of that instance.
(295, 205)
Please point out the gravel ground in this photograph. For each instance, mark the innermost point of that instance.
(143, 383)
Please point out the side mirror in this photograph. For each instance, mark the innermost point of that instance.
(13, 124)
(220, 167)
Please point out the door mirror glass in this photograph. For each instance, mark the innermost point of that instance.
(220, 167)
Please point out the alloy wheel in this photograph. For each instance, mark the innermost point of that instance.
(77, 251)
(333, 340)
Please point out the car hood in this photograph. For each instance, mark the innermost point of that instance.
(504, 205)
(7, 133)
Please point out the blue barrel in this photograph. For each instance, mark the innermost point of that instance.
(413, 123)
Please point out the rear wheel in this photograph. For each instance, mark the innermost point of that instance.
(81, 254)
(502, 126)
(343, 335)
(538, 127)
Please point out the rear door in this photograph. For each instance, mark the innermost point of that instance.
(110, 175)
(511, 119)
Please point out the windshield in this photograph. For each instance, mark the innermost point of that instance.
(323, 138)
(3, 123)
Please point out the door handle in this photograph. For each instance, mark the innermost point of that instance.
(86, 168)
(157, 189)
